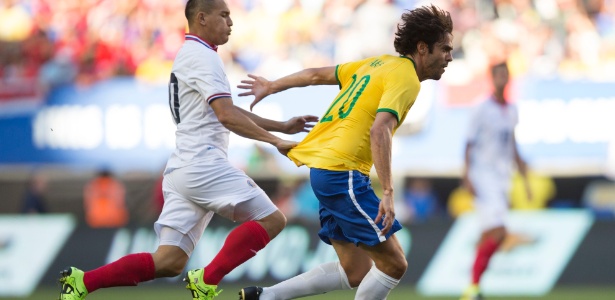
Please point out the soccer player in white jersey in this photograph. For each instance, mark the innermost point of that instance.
(491, 150)
(199, 180)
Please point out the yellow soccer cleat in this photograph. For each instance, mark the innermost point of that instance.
(472, 293)
(73, 287)
(199, 289)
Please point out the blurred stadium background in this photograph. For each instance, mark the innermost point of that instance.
(83, 89)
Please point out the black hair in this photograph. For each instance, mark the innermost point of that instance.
(428, 24)
(195, 6)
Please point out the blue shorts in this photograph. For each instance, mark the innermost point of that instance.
(348, 207)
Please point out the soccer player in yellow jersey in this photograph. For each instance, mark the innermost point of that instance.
(355, 133)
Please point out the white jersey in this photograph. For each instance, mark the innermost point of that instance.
(491, 135)
(197, 79)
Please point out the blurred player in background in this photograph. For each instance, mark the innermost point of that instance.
(355, 134)
(491, 149)
(198, 179)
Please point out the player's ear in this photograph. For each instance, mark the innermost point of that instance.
(200, 17)
(421, 47)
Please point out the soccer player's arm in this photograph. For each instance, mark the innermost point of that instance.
(234, 120)
(521, 166)
(470, 140)
(306, 77)
(316, 76)
(291, 126)
(259, 87)
(211, 83)
(381, 135)
(400, 92)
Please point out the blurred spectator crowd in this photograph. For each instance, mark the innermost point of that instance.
(44, 43)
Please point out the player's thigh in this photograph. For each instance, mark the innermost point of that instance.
(491, 201)
(217, 186)
(388, 256)
(491, 215)
(348, 207)
(181, 222)
(257, 208)
(263, 211)
(490, 187)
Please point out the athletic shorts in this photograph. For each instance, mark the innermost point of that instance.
(192, 194)
(348, 207)
(491, 199)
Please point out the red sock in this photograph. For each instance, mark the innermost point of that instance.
(483, 255)
(240, 245)
(128, 270)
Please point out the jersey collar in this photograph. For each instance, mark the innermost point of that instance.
(192, 37)
(500, 104)
(410, 58)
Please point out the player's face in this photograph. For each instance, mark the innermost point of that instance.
(439, 58)
(500, 77)
(218, 24)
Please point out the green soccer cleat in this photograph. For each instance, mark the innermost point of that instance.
(472, 293)
(73, 287)
(199, 289)
(250, 293)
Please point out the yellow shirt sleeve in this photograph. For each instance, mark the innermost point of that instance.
(400, 92)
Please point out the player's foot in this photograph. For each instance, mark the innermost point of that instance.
(73, 287)
(199, 289)
(472, 293)
(250, 293)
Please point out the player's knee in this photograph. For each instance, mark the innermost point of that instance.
(355, 277)
(394, 266)
(169, 261)
(274, 223)
(497, 234)
(397, 267)
(355, 271)
(280, 223)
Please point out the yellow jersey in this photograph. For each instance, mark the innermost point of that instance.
(341, 139)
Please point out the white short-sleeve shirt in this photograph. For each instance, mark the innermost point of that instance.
(197, 79)
(491, 134)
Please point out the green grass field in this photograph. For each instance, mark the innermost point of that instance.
(230, 293)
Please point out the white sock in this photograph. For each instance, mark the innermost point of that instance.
(324, 278)
(375, 285)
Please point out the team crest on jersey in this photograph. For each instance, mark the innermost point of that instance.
(376, 63)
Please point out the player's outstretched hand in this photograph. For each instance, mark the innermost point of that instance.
(259, 87)
(386, 213)
(284, 146)
(300, 124)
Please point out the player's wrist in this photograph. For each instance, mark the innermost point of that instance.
(286, 126)
(272, 88)
(276, 141)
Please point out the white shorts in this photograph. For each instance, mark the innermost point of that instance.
(192, 195)
(491, 200)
